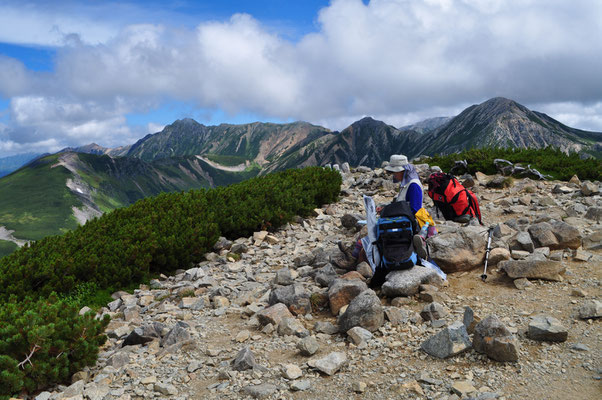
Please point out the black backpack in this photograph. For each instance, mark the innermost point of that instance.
(395, 229)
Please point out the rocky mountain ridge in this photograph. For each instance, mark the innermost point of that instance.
(271, 316)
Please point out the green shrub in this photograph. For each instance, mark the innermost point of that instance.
(45, 341)
(162, 234)
(548, 161)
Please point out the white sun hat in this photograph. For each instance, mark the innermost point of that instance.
(397, 163)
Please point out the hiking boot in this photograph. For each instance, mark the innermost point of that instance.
(420, 246)
(463, 219)
(345, 263)
(346, 250)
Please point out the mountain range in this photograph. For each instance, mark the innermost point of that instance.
(55, 192)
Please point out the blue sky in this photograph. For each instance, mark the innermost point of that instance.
(75, 72)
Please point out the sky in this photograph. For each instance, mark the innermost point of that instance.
(77, 72)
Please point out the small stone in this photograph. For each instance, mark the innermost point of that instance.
(326, 327)
(448, 342)
(292, 326)
(581, 255)
(329, 364)
(365, 270)
(242, 336)
(495, 340)
(413, 386)
(273, 314)
(359, 335)
(544, 327)
(308, 346)
(433, 311)
(75, 389)
(521, 283)
(463, 388)
(148, 380)
(245, 359)
(291, 371)
(578, 292)
(260, 391)
(591, 309)
(359, 387)
(165, 389)
(298, 386)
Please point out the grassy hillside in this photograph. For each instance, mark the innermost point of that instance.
(35, 202)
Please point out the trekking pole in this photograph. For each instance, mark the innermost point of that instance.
(484, 276)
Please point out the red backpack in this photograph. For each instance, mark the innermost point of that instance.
(451, 198)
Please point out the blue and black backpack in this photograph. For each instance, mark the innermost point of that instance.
(395, 230)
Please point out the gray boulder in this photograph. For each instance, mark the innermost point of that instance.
(567, 235)
(534, 269)
(448, 342)
(292, 327)
(544, 327)
(594, 214)
(591, 309)
(260, 391)
(329, 364)
(244, 360)
(521, 241)
(492, 338)
(308, 346)
(273, 314)
(365, 311)
(542, 235)
(326, 275)
(342, 291)
(589, 188)
(295, 297)
(593, 241)
(459, 248)
(433, 311)
(177, 334)
(407, 282)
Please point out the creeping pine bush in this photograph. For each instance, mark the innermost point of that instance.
(549, 161)
(44, 341)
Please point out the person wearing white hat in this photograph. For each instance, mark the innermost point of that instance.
(409, 181)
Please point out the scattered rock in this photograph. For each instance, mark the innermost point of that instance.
(544, 327)
(274, 314)
(589, 188)
(295, 297)
(590, 309)
(308, 346)
(463, 388)
(535, 269)
(179, 333)
(407, 282)
(260, 391)
(593, 241)
(521, 283)
(448, 342)
(329, 364)
(497, 255)
(291, 326)
(359, 335)
(165, 389)
(433, 311)
(459, 248)
(291, 371)
(492, 338)
(302, 385)
(365, 310)
(342, 291)
(245, 359)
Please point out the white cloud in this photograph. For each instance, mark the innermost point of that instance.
(396, 60)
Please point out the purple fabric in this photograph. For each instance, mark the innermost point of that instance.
(409, 174)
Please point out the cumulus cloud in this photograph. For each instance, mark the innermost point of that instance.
(396, 60)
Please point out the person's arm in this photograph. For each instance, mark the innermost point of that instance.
(414, 196)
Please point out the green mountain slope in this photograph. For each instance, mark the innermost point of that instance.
(51, 195)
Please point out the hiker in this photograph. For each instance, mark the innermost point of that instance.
(405, 174)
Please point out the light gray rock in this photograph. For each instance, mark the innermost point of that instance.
(43, 396)
(535, 269)
(544, 327)
(302, 385)
(407, 282)
(542, 235)
(492, 338)
(273, 314)
(179, 333)
(329, 364)
(448, 342)
(590, 309)
(284, 278)
(365, 310)
(433, 311)
(260, 391)
(567, 235)
(291, 371)
(521, 241)
(119, 359)
(221, 244)
(459, 248)
(326, 275)
(292, 326)
(593, 241)
(326, 327)
(589, 188)
(308, 346)
(165, 389)
(74, 389)
(295, 297)
(244, 360)
(594, 214)
(359, 335)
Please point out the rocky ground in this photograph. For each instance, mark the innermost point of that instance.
(256, 319)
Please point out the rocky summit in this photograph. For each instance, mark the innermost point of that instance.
(276, 319)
